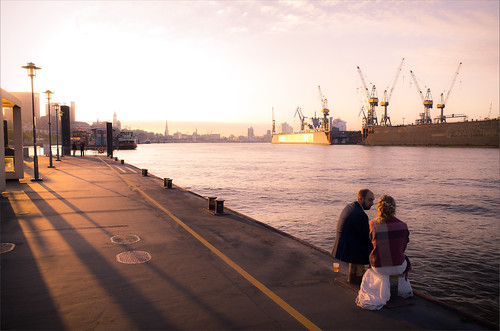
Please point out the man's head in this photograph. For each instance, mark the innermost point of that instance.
(365, 198)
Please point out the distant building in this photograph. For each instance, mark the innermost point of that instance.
(116, 123)
(285, 128)
(339, 124)
(166, 128)
(27, 110)
(251, 133)
(72, 112)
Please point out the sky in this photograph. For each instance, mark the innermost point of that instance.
(209, 62)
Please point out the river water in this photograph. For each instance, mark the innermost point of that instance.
(449, 197)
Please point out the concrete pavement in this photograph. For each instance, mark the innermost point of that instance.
(205, 271)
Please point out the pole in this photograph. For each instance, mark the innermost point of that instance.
(56, 108)
(50, 132)
(35, 156)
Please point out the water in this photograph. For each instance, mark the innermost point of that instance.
(447, 196)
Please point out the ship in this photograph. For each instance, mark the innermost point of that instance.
(480, 133)
(125, 140)
(318, 131)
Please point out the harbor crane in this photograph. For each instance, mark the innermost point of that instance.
(274, 123)
(324, 109)
(386, 120)
(442, 105)
(302, 118)
(371, 118)
(425, 117)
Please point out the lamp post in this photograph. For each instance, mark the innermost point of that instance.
(56, 109)
(31, 67)
(49, 93)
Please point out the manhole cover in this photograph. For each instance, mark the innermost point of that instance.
(7, 247)
(133, 257)
(125, 239)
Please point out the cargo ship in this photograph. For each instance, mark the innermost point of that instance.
(483, 133)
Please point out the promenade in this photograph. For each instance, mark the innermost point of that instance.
(190, 269)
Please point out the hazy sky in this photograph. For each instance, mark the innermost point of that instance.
(233, 61)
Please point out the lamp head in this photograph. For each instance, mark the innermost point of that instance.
(31, 67)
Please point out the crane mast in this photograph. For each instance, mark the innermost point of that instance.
(425, 117)
(386, 120)
(442, 105)
(301, 117)
(324, 109)
(371, 118)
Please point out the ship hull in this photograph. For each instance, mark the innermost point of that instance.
(318, 138)
(458, 134)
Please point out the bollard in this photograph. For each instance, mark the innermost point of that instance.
(116, 159)
(167, 182)
(219, 207)
(355, 274)
(211, 203)
(123, 161)
(144, 172)
(394, 281)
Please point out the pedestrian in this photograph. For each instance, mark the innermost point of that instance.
(73, 148)
(389, 236)
(82, 148)
(352, 241)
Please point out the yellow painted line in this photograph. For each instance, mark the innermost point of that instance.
(289, 309)
(122, 171)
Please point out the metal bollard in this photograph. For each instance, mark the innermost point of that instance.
(167, 182)
(123, 161)
(355, 274)
(116, 159)
(144, 172)
(211, 203)
(219, 207)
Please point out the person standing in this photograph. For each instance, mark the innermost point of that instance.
(352, 242)
(389, 236)
(73, 148)
(82, 148)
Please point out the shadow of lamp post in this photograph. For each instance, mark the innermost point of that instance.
(49, 93)
(31, 67)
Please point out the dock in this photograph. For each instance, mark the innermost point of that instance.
(100, 245)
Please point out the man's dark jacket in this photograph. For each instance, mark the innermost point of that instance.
(352, 241)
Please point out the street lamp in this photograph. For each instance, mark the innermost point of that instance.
(31, 67)
(49, 93)
(56, 109)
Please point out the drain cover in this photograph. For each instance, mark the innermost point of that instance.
(7, 247)
(133, 257)
(125, 239)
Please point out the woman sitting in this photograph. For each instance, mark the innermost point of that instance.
(389, 236)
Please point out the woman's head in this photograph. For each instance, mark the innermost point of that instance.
(386, 207)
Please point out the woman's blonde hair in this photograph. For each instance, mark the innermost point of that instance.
(386, 207)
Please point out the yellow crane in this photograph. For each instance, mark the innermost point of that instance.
(386, 120)
(371, 117)
(442, 105)
(425, 117)
(324, 109)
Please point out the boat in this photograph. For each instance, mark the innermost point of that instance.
(126, 140)
(481, 133)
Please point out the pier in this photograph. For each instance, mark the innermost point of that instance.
(101, 244)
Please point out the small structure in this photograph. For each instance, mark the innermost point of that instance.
(11, 139)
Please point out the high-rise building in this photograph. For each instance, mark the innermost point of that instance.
(285, 128)
(72, 112)
(251, 134)
(27, 112)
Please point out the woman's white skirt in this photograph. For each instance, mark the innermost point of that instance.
(375, 289)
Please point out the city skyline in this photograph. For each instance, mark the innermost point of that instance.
(236, 62)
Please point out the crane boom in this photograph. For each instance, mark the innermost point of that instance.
(366, 92)
(395, 79)
(417, 86)
(452, 83)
